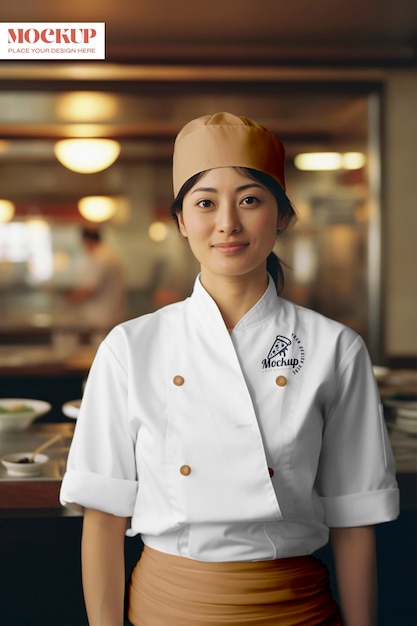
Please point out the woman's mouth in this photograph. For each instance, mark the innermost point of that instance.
(231, 247)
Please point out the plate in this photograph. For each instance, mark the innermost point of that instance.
(403, 432)
(403, 403)
(406, 426)
(71, 408)
(28, 470)
(408, 412)
(19, 413)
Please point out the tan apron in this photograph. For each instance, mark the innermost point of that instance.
(168, 590)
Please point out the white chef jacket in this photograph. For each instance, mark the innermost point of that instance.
(227, 447)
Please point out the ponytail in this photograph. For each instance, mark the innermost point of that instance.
(274, 268)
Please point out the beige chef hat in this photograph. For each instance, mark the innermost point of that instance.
(222, 140)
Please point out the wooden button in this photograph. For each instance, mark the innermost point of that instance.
(178, 380)
(185, 470)
(271, 471)
(281, 381)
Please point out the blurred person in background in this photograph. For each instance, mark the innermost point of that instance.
(101, 295)
(235, 431)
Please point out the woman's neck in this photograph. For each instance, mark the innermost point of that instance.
(234, 296)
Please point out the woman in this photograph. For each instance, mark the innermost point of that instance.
(235, 430)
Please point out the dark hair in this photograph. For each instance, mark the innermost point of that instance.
(285, 208)
(90, 234)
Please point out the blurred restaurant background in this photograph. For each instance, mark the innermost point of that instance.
(337, 82)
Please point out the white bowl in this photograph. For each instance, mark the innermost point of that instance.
(71, 408)
(380, 372)
(11, 418)
(14, 468)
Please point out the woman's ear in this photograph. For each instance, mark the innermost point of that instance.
(181, 225)
(282, 223)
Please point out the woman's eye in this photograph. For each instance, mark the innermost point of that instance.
(250, 200)
(205, 204)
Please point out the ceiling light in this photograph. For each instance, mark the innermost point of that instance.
(7, 211)
(315, 161)
(327, 161)
(353, 160)
(97, 208)
(86, 106)
(87, 156)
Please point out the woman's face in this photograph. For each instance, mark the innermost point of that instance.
(231, 223)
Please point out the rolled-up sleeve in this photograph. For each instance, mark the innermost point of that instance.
(101, 469)
(356, 474)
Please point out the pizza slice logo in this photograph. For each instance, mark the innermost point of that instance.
(279, 347)
(285, 354)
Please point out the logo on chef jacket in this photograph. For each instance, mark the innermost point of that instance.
(285, 353)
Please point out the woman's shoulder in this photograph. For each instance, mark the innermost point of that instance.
(323, 338)
(317, 323)
(145, 327)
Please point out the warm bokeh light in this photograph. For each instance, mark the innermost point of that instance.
(7, 210)
(97, 208)
(4, 146)
(86, 106)
(353, 160)
(87, 156)
(327, 161)
(37, 224)
(158, 231)
(317, 161)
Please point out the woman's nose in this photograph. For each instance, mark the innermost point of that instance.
(228, 218)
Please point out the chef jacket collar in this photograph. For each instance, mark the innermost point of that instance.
(208, 310)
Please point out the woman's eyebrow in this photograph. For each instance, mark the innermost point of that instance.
(239, 189)
(204, 189)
